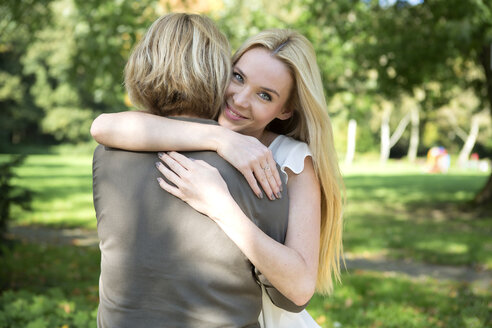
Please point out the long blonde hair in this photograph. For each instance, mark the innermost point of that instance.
(310, 123)
(180, 67)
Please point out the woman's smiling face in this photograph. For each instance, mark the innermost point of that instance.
(257, 94)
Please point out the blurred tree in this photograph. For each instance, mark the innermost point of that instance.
(407, 49)
(104, 33)
(427, 48)
(240, 19)
(438, 41)
(48, 59)
(336, 28)
(458, 39)
(78, 62)
(19, 21)
(62, 61)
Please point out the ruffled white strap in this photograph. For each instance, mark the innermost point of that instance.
(290, 153)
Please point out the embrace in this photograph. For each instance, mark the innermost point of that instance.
(218, 204)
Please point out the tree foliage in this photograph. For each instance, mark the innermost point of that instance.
(19, 22)
(61, 61)
(63, 64)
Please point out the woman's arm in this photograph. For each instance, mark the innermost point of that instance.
(293, 268)
(140, 131)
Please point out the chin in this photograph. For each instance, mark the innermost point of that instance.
(232, 127)
(227, 124)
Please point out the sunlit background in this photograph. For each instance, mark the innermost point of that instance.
(409, 88)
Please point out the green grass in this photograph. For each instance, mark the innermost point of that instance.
(63, 191)
(380, 300)
(397, 211)
(402, 212)
(49, 286)
(56, 286)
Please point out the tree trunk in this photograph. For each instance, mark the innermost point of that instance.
(388, 140)
(385, 136)
(352, 129)
(414, 134)
(485, 195)
(470, 142)
(399, 130)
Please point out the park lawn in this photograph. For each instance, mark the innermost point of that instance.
(57, 286)
(397, 211)
(400, 211)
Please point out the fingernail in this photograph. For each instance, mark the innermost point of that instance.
(272, 197)
(279, 195)
(159, 180)
(160, 154)
(260, 195)
(157, 164)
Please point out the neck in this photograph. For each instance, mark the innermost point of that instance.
(267, 137)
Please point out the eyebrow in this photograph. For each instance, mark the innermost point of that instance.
(265, 88)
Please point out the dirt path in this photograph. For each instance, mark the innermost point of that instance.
(482, 279)
(88, 238)
(41, 235)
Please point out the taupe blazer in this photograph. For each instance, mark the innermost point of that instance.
(163, 264)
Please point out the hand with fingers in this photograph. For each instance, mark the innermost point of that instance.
(196, 182)
(255, 162)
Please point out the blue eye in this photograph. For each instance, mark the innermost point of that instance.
(237, 77)
(265, 96)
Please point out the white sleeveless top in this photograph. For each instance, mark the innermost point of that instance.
(289, 153)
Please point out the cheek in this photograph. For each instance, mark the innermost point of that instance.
(271, 112)
(264, 115)
(231, 89)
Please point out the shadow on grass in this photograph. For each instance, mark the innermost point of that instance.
(455, 243)
(414, 188)
(26, 149)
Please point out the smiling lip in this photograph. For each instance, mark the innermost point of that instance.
(232, 114)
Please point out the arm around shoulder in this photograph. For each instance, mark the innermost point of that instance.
(140, 131)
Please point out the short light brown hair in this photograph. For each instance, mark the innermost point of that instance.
(180, 67)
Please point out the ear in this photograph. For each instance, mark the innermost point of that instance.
(286, 113)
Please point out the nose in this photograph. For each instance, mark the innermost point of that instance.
(241, 97)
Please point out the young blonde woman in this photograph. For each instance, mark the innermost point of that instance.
(274, 109)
